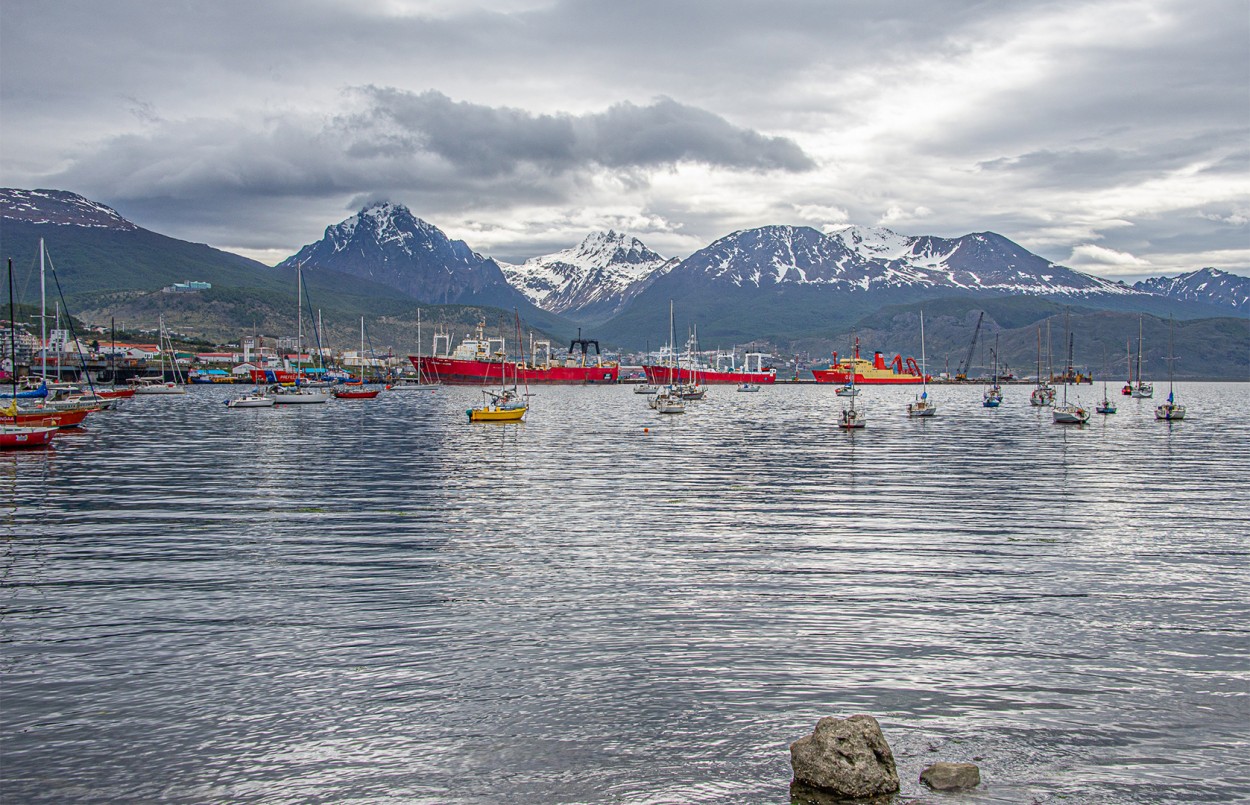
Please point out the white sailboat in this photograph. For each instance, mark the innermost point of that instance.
(1170, 411)
(423, 382)
(299, 394)
(922, 406)
(669, 400)
(1106, 406)
(1044, 393)
(1142, 390)
(159, 385)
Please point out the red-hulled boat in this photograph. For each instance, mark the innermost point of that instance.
(115, 394)
(356, 393)
(481, 361)
(49, 419)
(900, 371)
(17, 437)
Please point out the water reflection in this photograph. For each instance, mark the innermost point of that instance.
(382, 601)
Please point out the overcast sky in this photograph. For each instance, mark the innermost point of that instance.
(1113, 137)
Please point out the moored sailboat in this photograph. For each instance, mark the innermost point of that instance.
(1170, 411)
(993, 396)
(922, 406)
(1142, 390)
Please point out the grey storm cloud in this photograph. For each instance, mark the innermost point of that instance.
(488, 140)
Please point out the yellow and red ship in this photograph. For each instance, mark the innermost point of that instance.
(900, 371)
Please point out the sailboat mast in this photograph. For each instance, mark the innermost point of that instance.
(924, 383)
(299, 318)
(43, 316)
(13, 336)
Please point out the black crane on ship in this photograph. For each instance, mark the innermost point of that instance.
(585, 344)
(962, 372)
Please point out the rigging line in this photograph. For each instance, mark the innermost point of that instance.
(82, 361)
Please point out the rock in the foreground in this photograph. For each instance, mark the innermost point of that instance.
(844, 757)
(951, 776)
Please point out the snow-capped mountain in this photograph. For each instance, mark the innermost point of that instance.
(1204, 285)
(594, 279)
(866, 259)
(59, 207)
(386, 243)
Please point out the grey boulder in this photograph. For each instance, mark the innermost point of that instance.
(845, 757)
(951, 776)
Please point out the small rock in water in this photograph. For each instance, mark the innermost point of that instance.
(951, 776)
(844, 757)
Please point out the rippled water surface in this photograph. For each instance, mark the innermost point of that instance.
(379, 602)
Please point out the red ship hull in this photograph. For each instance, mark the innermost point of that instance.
(659, 375)
(843, 377)
(458, 372)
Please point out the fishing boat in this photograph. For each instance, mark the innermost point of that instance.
(749, 387)
(922, 406)
(1143, 390)
(900, 371)
(848, 390)
(481, 360)
(1170, 411)
(646, 388)
(752, 370)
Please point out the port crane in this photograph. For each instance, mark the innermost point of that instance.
(962, 372)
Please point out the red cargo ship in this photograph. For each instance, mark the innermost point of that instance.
(900, 371)
(481, 361)
(659, 375)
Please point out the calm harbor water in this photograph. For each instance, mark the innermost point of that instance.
(379, 602)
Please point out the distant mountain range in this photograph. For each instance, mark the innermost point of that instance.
(1207, 285)
(783, 286)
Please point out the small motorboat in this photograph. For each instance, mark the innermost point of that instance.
(749, 387)
(848, 390)
(255, 399)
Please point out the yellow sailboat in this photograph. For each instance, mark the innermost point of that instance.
(505, 405)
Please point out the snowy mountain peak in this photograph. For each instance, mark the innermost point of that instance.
(59, 207)
(591, 280)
